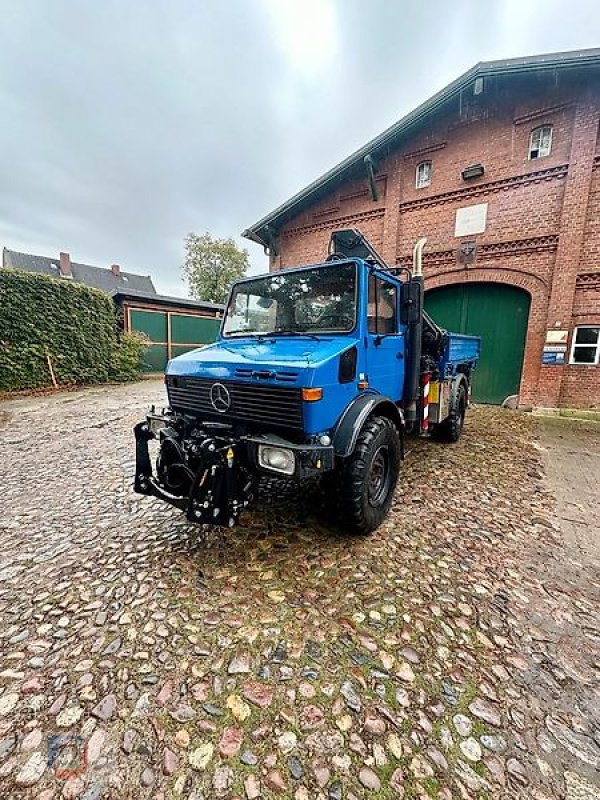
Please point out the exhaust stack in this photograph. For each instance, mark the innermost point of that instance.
(415, 335)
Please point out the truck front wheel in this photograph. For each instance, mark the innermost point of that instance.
(368, 477)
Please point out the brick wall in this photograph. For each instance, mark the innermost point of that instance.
(543, 217)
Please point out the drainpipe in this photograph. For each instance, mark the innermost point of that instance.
(370, 167)
(415, 334)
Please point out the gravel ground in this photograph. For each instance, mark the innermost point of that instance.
(453, 654)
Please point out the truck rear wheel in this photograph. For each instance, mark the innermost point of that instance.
(451, 428)
(369, 476)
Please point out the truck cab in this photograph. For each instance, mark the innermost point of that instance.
(318, 370)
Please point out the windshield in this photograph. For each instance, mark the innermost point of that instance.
(313, 300)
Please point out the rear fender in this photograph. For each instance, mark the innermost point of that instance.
(358, 412)
(460, 380)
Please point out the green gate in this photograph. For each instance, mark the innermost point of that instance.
(499, 314)
(171, 334)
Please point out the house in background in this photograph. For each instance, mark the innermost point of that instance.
(173, 325)
(107, 279)
(500, 170)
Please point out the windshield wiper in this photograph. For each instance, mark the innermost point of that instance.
(244, 331)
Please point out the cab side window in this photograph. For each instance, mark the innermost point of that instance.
(382, 315)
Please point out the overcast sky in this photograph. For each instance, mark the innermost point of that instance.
(125, 125)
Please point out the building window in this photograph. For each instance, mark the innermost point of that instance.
(540, 142)
(586, 345)
(423, 175)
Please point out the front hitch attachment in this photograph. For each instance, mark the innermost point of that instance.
(216, 495)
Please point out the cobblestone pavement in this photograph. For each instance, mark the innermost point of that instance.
(453, 654)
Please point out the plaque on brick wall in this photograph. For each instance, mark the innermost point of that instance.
(554, 354)
(467, 252)
(470, 220)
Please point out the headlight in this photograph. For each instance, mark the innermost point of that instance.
(279, 459)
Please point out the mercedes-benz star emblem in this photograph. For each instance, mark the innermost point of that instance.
(220, 397)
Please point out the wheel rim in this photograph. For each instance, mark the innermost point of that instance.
(380, 477)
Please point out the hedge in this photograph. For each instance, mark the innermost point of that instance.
(74, 327)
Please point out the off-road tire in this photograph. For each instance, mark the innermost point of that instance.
(367, 478)
(451, 428)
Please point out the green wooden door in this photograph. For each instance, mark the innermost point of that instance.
(499, 314)
(189, 332)
(171, 334)
(154, 325)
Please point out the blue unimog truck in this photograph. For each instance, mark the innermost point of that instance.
(317, 371)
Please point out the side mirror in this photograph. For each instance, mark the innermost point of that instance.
(411, 308)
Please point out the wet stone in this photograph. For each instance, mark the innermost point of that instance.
(463, 724)
(351, 697)
(69, 716)
(170, 762)
(496, 744)
(449, 693)
(105, 708)
(259, 694)
(483, 710)
(129, 739)
(312, 650)
(397, 782)
(287, 742)
(7, 745)
(73, 788)
(335, 791)
(279, 655)
(8, 703)
(212, 710)
(252, 787)
(32, 770)
(369, 779)
(275, 781)
(310, 673)
(94, 745)
(295, 767)
(230, 742)
(147, 777)
(248, 758)
(183, 713)
(113, 647)
(517, 771)
(200, 757)
(222, 779)
(471, 749)
(239, 665)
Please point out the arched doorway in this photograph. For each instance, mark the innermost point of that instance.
(499, 314)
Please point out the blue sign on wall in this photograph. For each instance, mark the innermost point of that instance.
(554, 354)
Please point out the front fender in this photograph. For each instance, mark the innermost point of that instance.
(356, 414)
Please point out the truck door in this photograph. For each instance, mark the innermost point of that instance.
(385, 339)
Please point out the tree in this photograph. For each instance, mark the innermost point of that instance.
(211, 265)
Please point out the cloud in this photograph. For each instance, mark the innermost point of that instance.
(127, 125)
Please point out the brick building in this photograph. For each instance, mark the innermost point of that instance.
(501, 172)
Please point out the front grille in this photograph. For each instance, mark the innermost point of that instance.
(276, 406)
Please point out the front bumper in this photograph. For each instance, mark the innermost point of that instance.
(219, 486)
(217, 493)
(310, 459)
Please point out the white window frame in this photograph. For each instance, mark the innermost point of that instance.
(535, 131)
(575, 345)
(422, 184)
